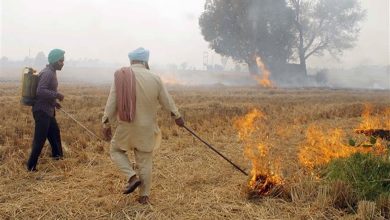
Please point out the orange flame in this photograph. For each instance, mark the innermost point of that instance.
(387, 118)
(370, 121)
(170, 80)
(321, 147)
(249, 127)
(246, 124)
(264, 81)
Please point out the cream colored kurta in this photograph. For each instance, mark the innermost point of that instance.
(143, 130)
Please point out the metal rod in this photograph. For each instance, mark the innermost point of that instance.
(212, 148)
(189, 130)
(79, 123)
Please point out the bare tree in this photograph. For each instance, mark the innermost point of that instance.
(325, 25)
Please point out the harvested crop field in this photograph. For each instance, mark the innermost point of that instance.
(189, 180)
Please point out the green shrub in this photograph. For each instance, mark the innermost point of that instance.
(368, 175)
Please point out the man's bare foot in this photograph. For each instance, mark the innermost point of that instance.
(144, 200)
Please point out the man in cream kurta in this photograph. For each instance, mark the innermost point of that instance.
(142, 134)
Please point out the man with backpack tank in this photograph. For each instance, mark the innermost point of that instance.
(46, 126)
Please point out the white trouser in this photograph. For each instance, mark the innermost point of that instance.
(143, 160)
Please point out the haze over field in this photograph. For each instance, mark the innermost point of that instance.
(102, 32)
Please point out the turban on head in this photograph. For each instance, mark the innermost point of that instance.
(55, 55)
(139, 54)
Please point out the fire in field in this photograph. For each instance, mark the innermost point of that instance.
(284, 139)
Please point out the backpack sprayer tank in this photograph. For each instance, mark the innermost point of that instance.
(29, 86)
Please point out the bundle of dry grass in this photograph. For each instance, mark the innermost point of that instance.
(189, 181)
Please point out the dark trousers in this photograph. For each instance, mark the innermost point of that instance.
(45, 127)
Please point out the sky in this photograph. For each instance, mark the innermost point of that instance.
(109, 29)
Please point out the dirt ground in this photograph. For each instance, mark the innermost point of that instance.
(189, 180)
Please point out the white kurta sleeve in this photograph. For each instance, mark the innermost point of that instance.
(166, 101)
(110, 110)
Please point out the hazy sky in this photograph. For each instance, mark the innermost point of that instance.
(109, 29)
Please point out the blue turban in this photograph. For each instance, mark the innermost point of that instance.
(139, 54)
(55, 55)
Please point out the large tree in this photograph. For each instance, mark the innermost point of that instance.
(325, 26)
(242, 29)
(280, 30)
